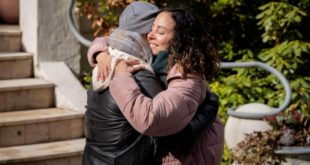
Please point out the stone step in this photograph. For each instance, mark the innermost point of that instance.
(31, 93)
(40, 125)
(53, 153)
(10, 38)
(14, 65)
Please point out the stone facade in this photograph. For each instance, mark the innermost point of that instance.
(46, 33)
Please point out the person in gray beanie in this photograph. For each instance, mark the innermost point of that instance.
(135, 20)
(110, 139)
(126, 45)
(137, 17)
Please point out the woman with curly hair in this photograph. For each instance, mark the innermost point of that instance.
(178, 38)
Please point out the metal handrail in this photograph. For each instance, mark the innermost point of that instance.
(293, 150)
(283, 80)
(223, 65)
(73, 28)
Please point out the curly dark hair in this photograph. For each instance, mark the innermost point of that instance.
(190, 47)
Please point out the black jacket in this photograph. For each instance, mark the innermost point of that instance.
(110, 139)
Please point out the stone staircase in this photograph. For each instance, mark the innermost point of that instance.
(32, 130)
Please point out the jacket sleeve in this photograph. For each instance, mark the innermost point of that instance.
(167, 113)
(150, 85)
(205, 115)
(183, 142)
(100, 44)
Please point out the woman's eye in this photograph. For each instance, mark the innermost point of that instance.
(161, 32)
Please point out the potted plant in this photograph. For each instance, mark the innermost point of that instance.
(289, 137)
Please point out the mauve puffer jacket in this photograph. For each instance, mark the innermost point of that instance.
(169, 112)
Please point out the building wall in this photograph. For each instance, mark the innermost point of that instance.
(46, 33)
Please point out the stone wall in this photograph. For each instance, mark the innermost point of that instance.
(46, 33)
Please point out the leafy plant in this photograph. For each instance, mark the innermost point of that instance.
(288, 129)
(85, 79)
(282, 44)
(276, 18)
(103, 14)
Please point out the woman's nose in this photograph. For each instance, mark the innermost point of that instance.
(150, 35)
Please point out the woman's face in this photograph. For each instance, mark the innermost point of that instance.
(162, 32)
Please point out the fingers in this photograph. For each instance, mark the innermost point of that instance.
(99, 75)
(104, 65)
(121, 67)
(134, 65)
(105, 72)
(136, 68)
(102, 73)
(132, 62)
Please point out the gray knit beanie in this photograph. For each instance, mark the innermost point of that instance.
(138, 17)
(131, 43)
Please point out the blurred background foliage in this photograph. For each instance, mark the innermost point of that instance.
(274, 32)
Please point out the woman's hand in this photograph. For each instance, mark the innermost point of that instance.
(104, 65)
(131, 66)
